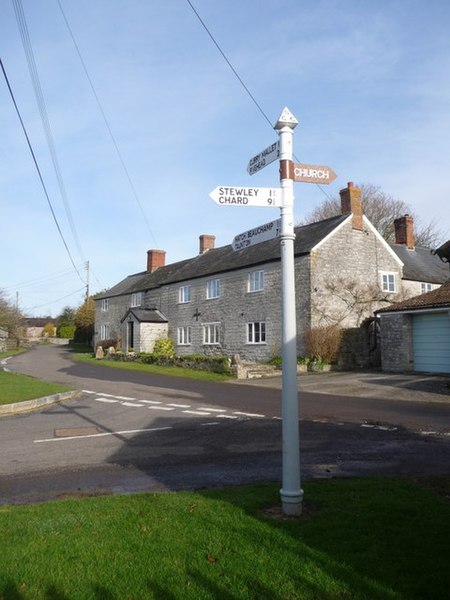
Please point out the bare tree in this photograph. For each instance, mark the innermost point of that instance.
(381, 209)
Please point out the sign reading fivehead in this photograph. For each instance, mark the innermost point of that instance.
(246, 196)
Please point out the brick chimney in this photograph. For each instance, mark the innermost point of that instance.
(404, 231)
(155, 259)
(207, 242)
(351, 203)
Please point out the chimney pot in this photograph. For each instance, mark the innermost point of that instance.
(207, 242)
(155, 259)
(351, 203)
(404, 231)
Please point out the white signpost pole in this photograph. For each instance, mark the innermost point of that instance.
(291, 493)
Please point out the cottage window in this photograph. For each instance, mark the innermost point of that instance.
(256, 281)
(184, 294)
(104, 332)
(425, 287)
(136, 299)
(388, 282)
(184, 336)
(256, 332)
(105, 305)
(211, 333)
(213, 289)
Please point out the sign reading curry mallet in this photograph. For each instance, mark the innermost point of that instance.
(313, 173)
(262, 233)
(264, 158)
(246, 196)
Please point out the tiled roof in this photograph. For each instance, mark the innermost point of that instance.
(439, 298)
(421, 265)
(220, 260)
(146, 315)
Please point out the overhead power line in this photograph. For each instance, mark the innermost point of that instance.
(239, 78)
(26, 41)
(108, 127)
(38, 170)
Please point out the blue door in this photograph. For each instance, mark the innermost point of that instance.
(431, 342)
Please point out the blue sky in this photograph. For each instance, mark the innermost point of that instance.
(369, 83)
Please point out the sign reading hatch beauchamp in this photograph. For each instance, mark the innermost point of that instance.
(259, 234)
(313, 174)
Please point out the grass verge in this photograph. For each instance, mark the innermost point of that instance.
(18, 388)
(8, 353)
(153, 369)
(375, 538)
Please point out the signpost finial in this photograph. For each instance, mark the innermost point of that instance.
(286, 119)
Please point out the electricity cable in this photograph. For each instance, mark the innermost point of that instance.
(26, 41)
(241, 81)
(113, 139)
(39, 171)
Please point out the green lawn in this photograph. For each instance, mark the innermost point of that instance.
(373, 539)
(153, 369)
(17, 388)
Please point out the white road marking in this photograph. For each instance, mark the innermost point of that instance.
(196, 412)
(244, 414)
(208, 424)
(150, 401)
(96, 435)
(107, 400)
(168, 408)
(180, 405)
(132, 404)
(214, 410)
(226, 417)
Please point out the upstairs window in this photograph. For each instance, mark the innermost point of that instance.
(105, 305)
(256, 281)
(213, 289)
(136, 299)
(184, 294)
(389, 282)
(425, 287)
(104, 332)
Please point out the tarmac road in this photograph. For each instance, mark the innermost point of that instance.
(137, 432)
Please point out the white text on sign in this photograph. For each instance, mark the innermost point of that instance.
(246, 196)
(313, 174)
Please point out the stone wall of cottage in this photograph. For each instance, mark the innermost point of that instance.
(149, 333)
(414, 288)
(346, 276)
(118, 306)
(396, 342)
(233, 309)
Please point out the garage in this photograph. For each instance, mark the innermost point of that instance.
(431, 342)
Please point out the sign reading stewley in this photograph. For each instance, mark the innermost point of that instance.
(313, 174)
(246, 196)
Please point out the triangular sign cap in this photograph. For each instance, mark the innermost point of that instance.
(286, 118)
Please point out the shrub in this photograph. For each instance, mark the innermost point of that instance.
(323, 343)
(66, 331)
(105, 344)
(164, 347)
(49, 330)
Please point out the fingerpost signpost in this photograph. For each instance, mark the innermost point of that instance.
(291, 493)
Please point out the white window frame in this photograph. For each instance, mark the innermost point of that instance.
(212, 289)
(256, 332)
(184, 336)
(184, 294)
(105, 332)
(426, 287)
(388, 281)
(136, 299)
(105, 305)
(211, 334)
(255, 281)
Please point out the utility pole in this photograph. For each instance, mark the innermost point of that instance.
(87, 280)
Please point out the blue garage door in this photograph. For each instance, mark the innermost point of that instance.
(431, 342)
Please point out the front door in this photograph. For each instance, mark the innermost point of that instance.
(130, 336)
